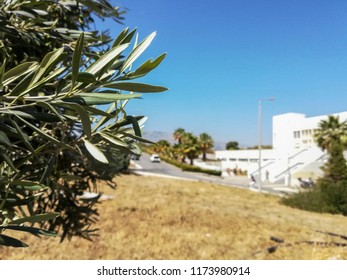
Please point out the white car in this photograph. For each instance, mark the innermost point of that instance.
(155, 158)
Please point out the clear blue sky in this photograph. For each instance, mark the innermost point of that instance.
(225, 55)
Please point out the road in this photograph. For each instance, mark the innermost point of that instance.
(162, 168)
(144, 166)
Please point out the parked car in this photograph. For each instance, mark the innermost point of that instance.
(155, 158)
(135, 157)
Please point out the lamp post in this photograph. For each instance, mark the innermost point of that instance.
(260, 136)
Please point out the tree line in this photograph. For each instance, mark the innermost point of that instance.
(187, 146)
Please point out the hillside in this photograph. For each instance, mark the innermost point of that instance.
(157, 218)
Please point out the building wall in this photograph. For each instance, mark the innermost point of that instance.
(244, 159)
(282, 131)
(294, 132)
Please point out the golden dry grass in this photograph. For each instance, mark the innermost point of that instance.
(157, 218)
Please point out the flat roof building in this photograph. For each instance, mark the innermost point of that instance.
(294, 150)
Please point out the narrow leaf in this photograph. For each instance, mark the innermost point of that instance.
(128, 37)
(138, 51)
(98, 98)
(135, 124)
(2, 71)
(22, 85)
(25, 86)
(24, 13)
(145, 68)
(76, 58)
(46, 64)
(4, 139)
(114, 140)
(6, 158)
(136, 87)
(32, 230)
(27, 185)
(31, 188)
(48, 170)
(95, 151)
(23, 136)
(97, 112)
(9, 241)
(35, 218)
(18, 71)
(38, 116)
(120, 37)
(52, 76)
(128, 120)
(140, 139)
(106, 58)
(85, 77)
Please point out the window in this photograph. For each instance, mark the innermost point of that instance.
(296, 134)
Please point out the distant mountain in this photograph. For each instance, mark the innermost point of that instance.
(155, 136)
(219, 145)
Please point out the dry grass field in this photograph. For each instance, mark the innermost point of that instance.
(158, 218)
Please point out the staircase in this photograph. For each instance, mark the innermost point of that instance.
(309, 159)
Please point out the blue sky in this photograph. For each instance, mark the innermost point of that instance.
(225, 55)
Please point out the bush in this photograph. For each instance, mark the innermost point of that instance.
(201, 170)
(335, 196)
(311, 200)
(326, 197)
(191, 168)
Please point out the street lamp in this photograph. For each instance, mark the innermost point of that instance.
(260, 136)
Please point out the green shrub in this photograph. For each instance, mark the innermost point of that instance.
(191, 168)
(335, 196)
(326, 197)
(201, 170)
(311, 200)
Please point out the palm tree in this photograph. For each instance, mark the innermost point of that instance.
(331, 131)
(162, 147)
(191, 147)
(177, 153)
(179, 134)
(206, 143)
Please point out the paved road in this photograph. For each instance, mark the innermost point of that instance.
(145, 167)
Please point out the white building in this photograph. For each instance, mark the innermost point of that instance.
(294, 154)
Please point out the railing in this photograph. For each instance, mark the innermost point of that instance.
(297, 161)
(288, 170)
(266, 166)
